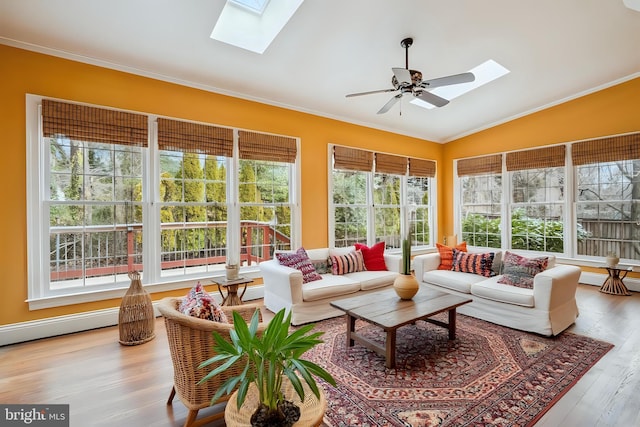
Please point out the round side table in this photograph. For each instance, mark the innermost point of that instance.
(311, 410)
(232, 297)
(613, 284)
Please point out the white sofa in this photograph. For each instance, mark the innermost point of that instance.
(547, 309)
(310, 302)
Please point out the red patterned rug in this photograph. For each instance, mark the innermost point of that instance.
(488, 376)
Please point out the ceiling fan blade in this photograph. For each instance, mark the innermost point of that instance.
(386, 107)
(432, 99)
(370, 92)
(449, 80)
(402, 75)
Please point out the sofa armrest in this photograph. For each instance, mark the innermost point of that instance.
(393, 262)
(555, 286)
(283, 281)
(425, 262)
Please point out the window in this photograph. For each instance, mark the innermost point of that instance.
(110, 196)
(380, 197)
(537, 199)
(265, 195)
(596, 182)
(480, 200)
(193, 161)
(608, 196)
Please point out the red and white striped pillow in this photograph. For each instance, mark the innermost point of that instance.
(348, 263)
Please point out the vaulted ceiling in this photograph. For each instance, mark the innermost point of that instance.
(555, 50)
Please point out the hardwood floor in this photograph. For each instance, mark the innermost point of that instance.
(107, 384)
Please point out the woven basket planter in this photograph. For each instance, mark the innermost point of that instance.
(136, 320)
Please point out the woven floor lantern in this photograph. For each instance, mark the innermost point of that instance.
(136, 320)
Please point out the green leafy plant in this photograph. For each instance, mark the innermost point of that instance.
(406, 257)
(267, 359)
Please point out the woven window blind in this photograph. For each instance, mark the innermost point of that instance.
(352, 159)
(176, 135)
(421, 167)
(480, 165)
(387, 163)
(548, 157)
(84, 123)
(609, 149)
(260, 146)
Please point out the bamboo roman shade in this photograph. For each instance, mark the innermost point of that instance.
(261, 146)
(480, 165)
(610, 149)
(84, 123)
(387, 163)
(421, 167)
(352, 159)
(548, 157)
(176, 135)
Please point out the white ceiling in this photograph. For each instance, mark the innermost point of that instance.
(555, 49)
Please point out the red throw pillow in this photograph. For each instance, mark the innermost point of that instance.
(446, 254)
(373, 256)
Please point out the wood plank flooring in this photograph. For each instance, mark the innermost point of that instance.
(107, 384)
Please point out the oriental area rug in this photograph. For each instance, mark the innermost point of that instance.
(488, 376)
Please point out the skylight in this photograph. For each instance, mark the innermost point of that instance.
(486, 72)
(257, 6)
(253, 24)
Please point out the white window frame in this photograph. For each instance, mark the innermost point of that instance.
(405, 208)
(40, 296)
(569, 254)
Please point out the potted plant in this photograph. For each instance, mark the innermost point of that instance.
(267, 359)
(405, 285)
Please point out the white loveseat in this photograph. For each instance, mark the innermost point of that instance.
(310, 302)
(547, 309)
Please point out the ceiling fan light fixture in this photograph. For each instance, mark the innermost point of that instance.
(484, 73)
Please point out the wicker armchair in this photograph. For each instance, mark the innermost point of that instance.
(190, 344)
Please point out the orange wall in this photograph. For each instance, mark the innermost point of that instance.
(607, 112)
(23, 72)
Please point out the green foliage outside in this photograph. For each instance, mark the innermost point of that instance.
(527, 233)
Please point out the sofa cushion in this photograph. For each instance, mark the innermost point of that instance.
(373, 279)
(519, 271)
(454, 280)
(473, 263)
(373, 256)
(446, 254)
(347, 263)
(492, 289)
(329, 287)
(300, 261)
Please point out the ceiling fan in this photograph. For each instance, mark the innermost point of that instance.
(406, 81)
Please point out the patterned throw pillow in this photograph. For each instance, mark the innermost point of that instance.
(519, 271)
(446, 254)
(322, 266)
(473, 263)
(300, 261)
(198, 303)
(373, 256)
(348, 263)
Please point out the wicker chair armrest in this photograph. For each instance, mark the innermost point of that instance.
(168, 307)
(245, 310)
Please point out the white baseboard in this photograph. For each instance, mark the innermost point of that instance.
(60, 325)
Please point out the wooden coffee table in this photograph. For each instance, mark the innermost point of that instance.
(386, 310)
